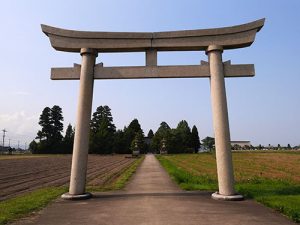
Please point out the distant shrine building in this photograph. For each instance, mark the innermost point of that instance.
(213, 41)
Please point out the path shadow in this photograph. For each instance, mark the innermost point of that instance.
(130, 195)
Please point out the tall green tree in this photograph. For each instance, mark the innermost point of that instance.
(69, 139)
(46, 123)
(183, 136)
(119, 142)
(148, 143)
(39, 135)
(163, 132)
(174, 142)
(130, 132)
(195, 140)
(69, 136)
(150, 134)
(163, 128)
(56, 123)
(102, 131)
(135, 126)
(102, 117)
(208, 143)
(51, 128)
(33, 147)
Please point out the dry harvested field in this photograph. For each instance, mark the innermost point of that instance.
(23, 174)
(270, 177)
(247, 165)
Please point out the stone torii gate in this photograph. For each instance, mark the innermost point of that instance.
(212, 41)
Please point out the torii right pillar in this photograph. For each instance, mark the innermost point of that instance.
(221, 126)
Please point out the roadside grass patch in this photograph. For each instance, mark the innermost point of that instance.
(277, 194)
(186, 180)
(280, 194)
(15, 208)
(286, 204)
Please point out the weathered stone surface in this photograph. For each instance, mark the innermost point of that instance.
(220, 121)
(229, 37)
(81, 139)
(139, 72)
(151, 58)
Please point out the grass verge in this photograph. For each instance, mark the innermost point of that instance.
(186, 180)
(281, 195)
(277, 194)
(15, 208)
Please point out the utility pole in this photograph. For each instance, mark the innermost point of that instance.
(4, 131)
(18, 145)
(9, 148)
(25, 146)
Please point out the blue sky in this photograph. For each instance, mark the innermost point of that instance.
(264, 109)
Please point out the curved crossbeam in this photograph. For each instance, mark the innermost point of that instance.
(228, 37)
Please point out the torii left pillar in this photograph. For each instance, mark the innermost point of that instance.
(81, 141)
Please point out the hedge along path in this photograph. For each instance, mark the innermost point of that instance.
(18, 176)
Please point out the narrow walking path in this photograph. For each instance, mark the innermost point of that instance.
(151, 177)
(152, 198)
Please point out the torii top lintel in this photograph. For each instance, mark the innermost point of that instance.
(186, 40)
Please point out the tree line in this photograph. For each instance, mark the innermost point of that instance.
(49, 137)
(106, 139)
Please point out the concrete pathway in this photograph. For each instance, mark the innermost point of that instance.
(152, 198)
(151, 178)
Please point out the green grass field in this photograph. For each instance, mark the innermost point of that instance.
(271, 178)
(24, 205)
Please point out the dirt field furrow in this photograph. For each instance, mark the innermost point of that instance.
(21, 175)
(102, 178)
(104, 169)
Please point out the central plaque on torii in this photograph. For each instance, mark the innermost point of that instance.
(212, 41)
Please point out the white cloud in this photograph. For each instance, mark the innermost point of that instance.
(20, 125)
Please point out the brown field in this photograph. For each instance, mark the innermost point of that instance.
(24, 174)
(247, 165)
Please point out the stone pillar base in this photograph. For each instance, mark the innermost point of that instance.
(68, 196)
(236, 197)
